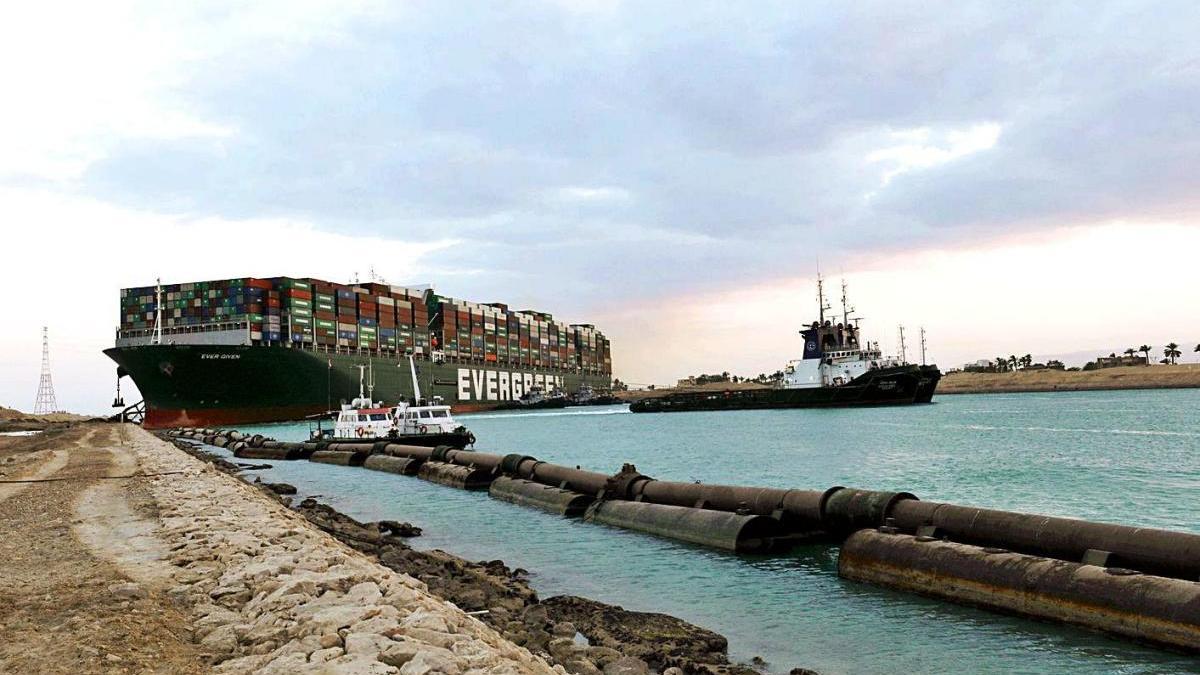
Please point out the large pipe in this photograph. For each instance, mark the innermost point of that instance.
(452, 475)
(845, 510)
(342, 457)
(482, 460)
(1150, 608)
(251, 452)
(800, 507)
(718, 529)
(587, 482)
(538, 496)
(401, 465)
(1153, 551)
(418, 452)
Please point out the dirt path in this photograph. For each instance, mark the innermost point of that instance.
(83, 585)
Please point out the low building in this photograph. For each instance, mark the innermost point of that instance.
(1114, 361)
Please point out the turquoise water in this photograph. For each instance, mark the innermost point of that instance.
(1128, 457)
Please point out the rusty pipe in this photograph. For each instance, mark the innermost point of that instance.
(1149, 550)
(1150, 608)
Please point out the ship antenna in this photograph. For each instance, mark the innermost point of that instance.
(371, 380)
(156, 339)
(361, 371)
(903, 349)
(847, 309)
(412, 367)
(922, 345)
(821, 305)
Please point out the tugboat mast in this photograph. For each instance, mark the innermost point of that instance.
(903, 349)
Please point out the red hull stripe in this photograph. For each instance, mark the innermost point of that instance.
(167, 418)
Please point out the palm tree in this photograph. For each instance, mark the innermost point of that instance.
(1130, 352)
(1171, 351)
(1001, 364)
(1145, 349)
(1027, 360)
(1013, 361)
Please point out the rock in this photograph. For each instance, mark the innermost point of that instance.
(802, 671)
(127, 591)
(564, 629)
(627, 665)
(325, 655)
(112, 658)
(366, 643)
(425, 662)
(399, 529)
(330, 640)
(581, 666)
(223, 640)
(281, 488)
(673, 670)
(562, 649)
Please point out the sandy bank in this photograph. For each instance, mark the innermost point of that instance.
(130, 556)
(1130, 377)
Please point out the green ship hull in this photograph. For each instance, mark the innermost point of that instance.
(225, 385)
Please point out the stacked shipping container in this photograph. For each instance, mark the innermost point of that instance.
(375, 317)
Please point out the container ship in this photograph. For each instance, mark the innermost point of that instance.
(235, 351)
(836, 370)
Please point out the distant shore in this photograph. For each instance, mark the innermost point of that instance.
(1181, 376)
(1158, 376)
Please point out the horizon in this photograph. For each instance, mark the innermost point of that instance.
(1015, 180)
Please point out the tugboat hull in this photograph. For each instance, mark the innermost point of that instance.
(901, 385)
(454, 439)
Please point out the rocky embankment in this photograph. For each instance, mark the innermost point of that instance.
(272, 594)
(580, 635)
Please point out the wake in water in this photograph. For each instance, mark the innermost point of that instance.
(545, 413)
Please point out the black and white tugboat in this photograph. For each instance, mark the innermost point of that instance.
(588, 396)
(835, 371)
(420, 422)
(537, 399)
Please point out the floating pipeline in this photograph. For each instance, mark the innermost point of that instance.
(404, 466)
(547, 498)
(341, 457)
(1148, 550)
(1140, 582)
(452, 475)
(1155, 609)
(717, 529)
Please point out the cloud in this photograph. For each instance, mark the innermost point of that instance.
(581, 154)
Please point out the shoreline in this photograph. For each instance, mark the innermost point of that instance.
(123, 554)
(1181, 376)
(582, 635)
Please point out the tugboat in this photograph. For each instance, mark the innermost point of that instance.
(425, 423)
(588, 396)
(537, 399)
(835, 371)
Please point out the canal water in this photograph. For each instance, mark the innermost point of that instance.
(1128, 457)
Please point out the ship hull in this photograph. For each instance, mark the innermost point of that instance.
(226, 385)
(903, 385)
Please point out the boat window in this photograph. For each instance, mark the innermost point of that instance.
(441, 413)
(378, 417)
(425, 413)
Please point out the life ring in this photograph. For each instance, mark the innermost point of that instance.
(358, 431)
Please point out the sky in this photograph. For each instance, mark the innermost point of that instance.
(1016, 178)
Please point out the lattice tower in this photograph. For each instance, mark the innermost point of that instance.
(45, 395)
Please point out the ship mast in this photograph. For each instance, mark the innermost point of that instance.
(156, 339)
(903, 349)
(846, 308)
(821, 304)
(922, 345)
(412, 367)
